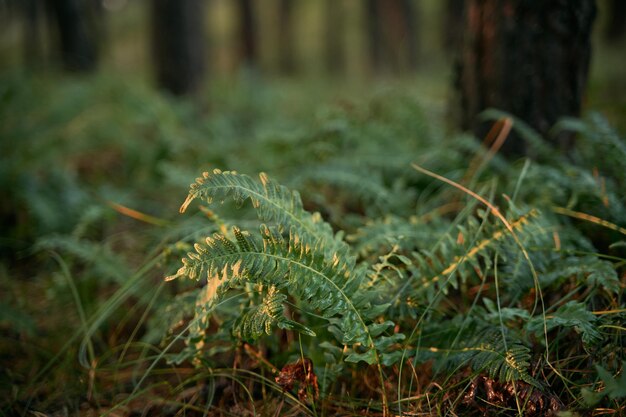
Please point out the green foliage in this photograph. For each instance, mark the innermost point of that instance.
(614, 387)
(368, 261)
(570, 315)
(311, 265)
(395, 272)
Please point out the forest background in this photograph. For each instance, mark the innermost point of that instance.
(109, 110)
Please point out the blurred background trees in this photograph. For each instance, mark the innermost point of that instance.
(529, 58)
(178, 44)
(76, 25)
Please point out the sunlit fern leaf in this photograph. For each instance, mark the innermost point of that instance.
(460, 255)
(487, 350)
(273, 203)
(505, 362)
(296, 265)
(469, 341)
(260, 319)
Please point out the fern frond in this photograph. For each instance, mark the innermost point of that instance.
(365, 185)
(588, 270)
(485, 347)
(273, 202)
(572, 315)
(260, 319)
(381, 235)
(508, 361)
(105, 262)
(332, 287)
(453, 261)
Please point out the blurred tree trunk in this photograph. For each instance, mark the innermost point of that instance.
(334, 21)
(33, 16)
(247, 27)
(453, 23)
(375, 37)
(286, 44)
(527, 57)
(616, 25)
(77, 27)
(178, 44)
(392, 31)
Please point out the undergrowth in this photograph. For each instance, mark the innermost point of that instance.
(359, 262)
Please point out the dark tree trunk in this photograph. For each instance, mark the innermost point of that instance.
(392, 35)
(286, 45)
(375, 36)
(33, 16)
(77, 27)
(527, 57)
(334, 21)
(247, 27)
(616, 25)
(453, 24)
(178, 44)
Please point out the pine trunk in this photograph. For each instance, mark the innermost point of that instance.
(178, 44)
(77, 33)
(527, 57)
(248, 33)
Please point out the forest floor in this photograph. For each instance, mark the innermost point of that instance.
(438, 277)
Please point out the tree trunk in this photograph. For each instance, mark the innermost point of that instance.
(178, 44)
(616, 25)
(33, 14)
(76, 24)
(334, 21)
(453, 21)
(286, 43)
(527, 57)
(375, 37)
(247, 29)
(392, 35)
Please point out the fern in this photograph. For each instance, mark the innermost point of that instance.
(260, 319)
(374, 193)
(452, 262)
(273, 203)
(573, 315)
(300, 265)
(588, 271)
(505, 360)
(100, 257)
(486, 348)
(381, 235)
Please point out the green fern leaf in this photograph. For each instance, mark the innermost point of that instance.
(503, 359)
(261, 318)
(293, 264)
(273, 203)
(573, 315)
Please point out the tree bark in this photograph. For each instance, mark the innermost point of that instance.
(247, 29)
(334, 21)
(286, 57)
(178, 44)
(77, 33)
(453, 23)
(527, 57)
(392, 35)
(616, 25)
(33, 15)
